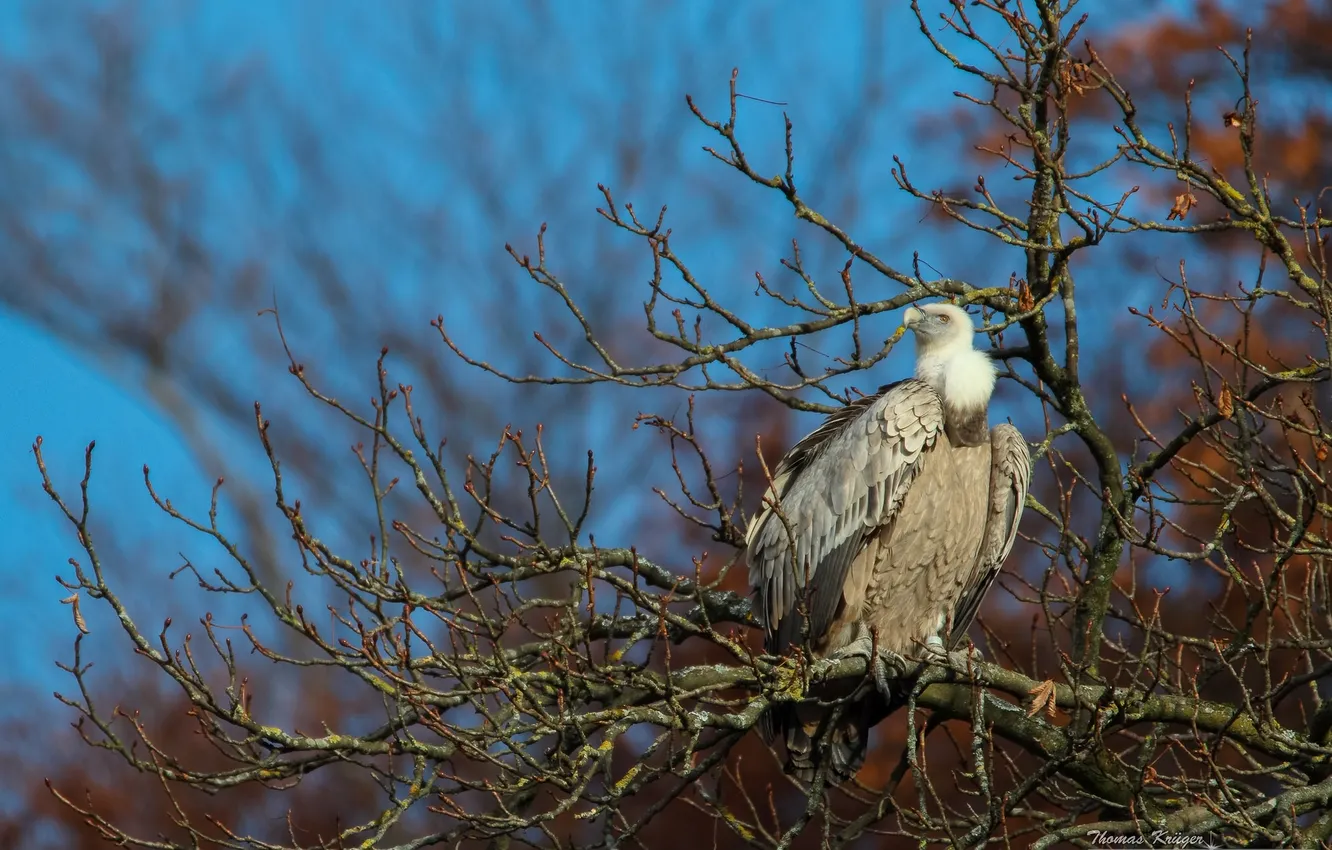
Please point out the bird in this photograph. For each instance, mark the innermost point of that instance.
(883, 529)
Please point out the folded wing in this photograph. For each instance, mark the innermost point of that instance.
(1010, 473)
(837, 486)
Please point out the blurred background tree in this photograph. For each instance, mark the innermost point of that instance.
(173, 169)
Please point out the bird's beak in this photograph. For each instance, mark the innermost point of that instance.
(912, 316)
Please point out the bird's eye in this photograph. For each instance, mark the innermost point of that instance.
(945, 318)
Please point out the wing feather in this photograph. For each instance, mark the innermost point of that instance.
(834, 488)
(1010, 474)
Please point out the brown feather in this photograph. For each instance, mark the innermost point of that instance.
(901, 516)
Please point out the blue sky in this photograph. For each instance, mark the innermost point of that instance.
(354, 75)
(480, 124)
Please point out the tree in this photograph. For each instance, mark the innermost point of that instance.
(521, 681)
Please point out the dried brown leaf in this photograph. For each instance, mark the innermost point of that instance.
(1074, 75)
(1043, 697)
(1183, 203)
(1025, 301)
(1225, 403)
(80, 623)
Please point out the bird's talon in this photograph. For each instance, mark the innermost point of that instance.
(898, 662)
(887, 661)
(965, 657)
(934, 649)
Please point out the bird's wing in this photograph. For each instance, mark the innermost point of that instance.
(1010, 473)
(835, 487)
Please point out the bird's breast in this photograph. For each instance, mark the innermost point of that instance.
(923, 559)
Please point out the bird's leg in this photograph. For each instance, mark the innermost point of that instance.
(936, 651)
(934, 646)
(879, 660)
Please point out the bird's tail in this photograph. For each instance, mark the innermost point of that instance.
(815, 734)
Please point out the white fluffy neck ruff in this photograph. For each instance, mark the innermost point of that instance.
(963, 376)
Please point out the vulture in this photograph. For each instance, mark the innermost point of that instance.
(885, 527)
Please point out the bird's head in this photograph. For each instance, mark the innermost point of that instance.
(945, 359)
(939, 327)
